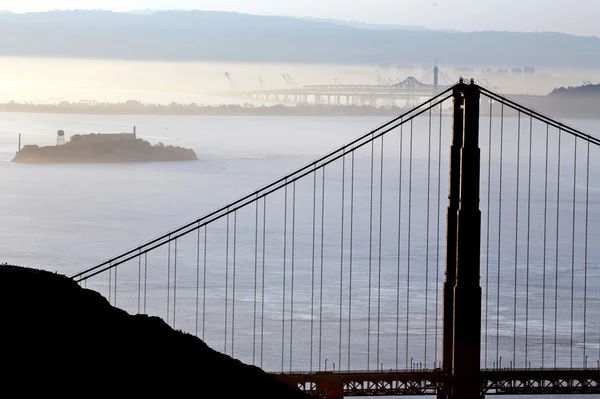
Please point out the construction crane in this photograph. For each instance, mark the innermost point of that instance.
(288, 79)
(261, 81)
(232, 83)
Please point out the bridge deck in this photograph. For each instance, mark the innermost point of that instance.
(427, 382)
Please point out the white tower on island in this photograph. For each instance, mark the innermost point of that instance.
(60, 138)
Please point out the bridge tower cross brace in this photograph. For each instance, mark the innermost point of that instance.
(461, 329)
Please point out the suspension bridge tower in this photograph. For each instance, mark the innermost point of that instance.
(462, 292)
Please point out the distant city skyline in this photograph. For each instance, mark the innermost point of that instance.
(461, 15)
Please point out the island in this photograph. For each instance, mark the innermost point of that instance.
(102, 148)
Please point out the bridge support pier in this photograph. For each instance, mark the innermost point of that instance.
(467, 291)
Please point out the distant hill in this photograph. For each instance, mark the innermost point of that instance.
(356, 24)
(221, 36)
(363, 25)
(585, 90)
(146, 11)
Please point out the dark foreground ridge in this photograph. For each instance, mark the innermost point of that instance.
(59, 338)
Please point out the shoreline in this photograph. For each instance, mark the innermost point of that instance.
(211, 114)
(568, 108)
(223, 110)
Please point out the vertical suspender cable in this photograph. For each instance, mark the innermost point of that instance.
(514, 361)
(110, 285)
(293, 265)
(409, 240)
(585, 261)
(398, 251)
(312, 283)
(528, 244)
(197, 276)
(204, 266)
(139, 296)
(145, 279)
(233, 280)
(370, 258)
(284, 275)
(487, 258)
(255, 281)
(427, 237)
(174, 282)
(342, 258)
(115, 291)
(262, 287)
(350, 263)
(573, 244)
(168, 279)
(226, 279)
(499, 234)
(379, 255)
(322, 256)
(437, 258)
(556, 254)
(545, 246)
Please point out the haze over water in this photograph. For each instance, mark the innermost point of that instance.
(54, 80)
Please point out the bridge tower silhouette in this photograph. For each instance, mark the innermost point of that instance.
(462, 294)
(329, 277)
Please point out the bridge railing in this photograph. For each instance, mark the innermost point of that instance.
(336, 265)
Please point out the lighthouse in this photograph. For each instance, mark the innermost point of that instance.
(60, 138)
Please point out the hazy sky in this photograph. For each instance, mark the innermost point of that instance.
(570, 16)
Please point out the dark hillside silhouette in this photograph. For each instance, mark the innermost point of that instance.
(58, 338)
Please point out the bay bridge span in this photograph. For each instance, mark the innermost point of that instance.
(437, 255)
(408, 92)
